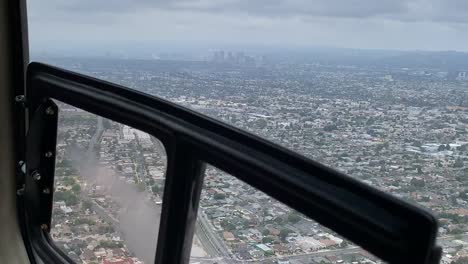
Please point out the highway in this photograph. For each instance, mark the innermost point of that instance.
(92, 142)
(211, 241)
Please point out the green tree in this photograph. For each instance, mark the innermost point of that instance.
(278, 220)
(219, 196)
(110, 244)
(64, 163)
(86, 205)
(458, 163)
(156, 189)
(69, 180)
(294, 218)
(68, 197)
(417, 183)
(81, 221)
(284, 232)
(227, 225)
(151, 182)
(261, 123)
(76, 188)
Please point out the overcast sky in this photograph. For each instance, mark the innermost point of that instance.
(376, 24)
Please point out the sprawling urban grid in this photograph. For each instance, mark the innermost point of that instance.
(400, 129)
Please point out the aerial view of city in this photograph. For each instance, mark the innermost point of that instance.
(398, 122)
(376, 90)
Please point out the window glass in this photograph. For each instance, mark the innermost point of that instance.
(239, 224)
(109, 182)
(375, 89)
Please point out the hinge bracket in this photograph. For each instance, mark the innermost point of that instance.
(39, 172)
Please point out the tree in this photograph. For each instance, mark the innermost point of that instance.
(458, 163)
(265, 232)
(81, 221)
(76, 188)
(69, 180)
(419, 170)
(463, 147)
(344, 244)
(441, 148)
(417, 143)
(417, 183)
(425, 199)
(68, 197)
(155, 189)
(228, 225)
(86, 205)
(294, 218)
(261, 123)
(219, 196)
(151, 182)
(463, 193)
(64, 163)
(110, 244)
(284, 232)
(278, 220)
(329, 128)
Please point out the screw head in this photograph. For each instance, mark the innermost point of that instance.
(49, 111)
(44, 227)
(19, 98)
(36, 175)
(48, 154)
(46, 191)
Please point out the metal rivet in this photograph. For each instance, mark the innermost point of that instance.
(44, 227)
(48, 154)
(19, 98)
(49, 111)
(46, 191)
(36, 175)
(20, 191)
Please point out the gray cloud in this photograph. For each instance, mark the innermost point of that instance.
(400, 24)
(405, 10)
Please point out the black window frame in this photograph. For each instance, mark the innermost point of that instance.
(390, 228)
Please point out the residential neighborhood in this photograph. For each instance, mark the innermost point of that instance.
(401, 130)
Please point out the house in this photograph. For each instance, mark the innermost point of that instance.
(228, 236)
